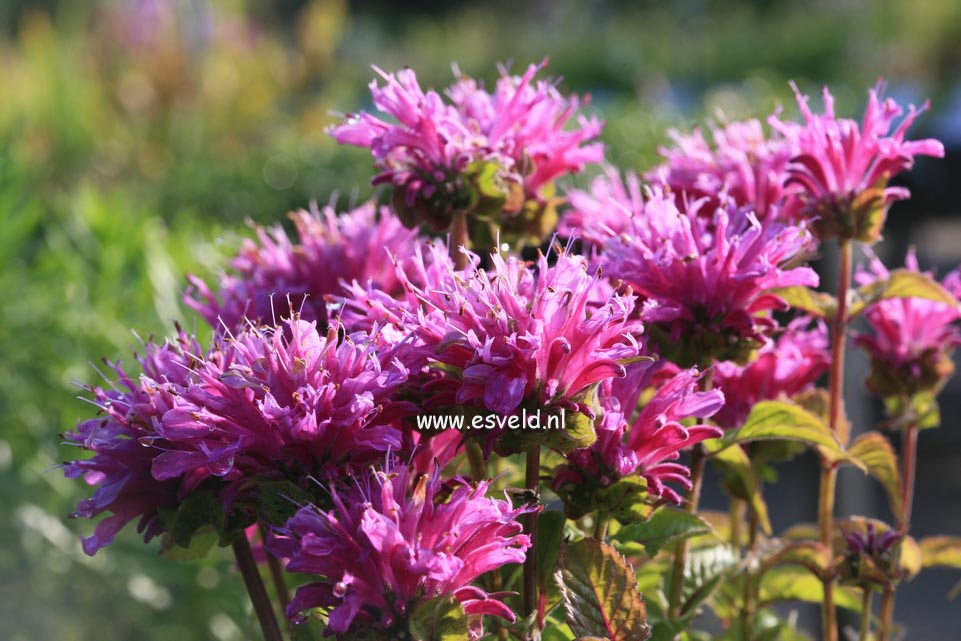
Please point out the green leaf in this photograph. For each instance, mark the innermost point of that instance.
(706, 568)
(901, 283)
(775, 420)
(877, 455)
(277, 501)
(734, 461)
(625, 500)
(797, 584)
(941, 551)
(600, 594)
(812, 555)
(202, 539)
(440, 619)
(577, 431)
(550, 536)
(811, 301)
(195, 511)
(665, 525)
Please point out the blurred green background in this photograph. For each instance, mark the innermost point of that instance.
(137, 137)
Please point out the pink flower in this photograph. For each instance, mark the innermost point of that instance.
(332, 249)
(435, 154)
(840, 176)
(743, 165)
(910, 339)
(275, 404)
(392, 542)
(519, 334)
(644, 442)
(605, 210)
(784, 366)
(708, 279)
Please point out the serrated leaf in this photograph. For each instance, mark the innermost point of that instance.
(734, 460)
(774, 420)
(901, 283)
(600, 594)
(941, 551)
(704, 571)
(440, 619)
(877, 455)
(664, 526)
(816, 303)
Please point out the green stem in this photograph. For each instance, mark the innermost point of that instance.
(475, 457)
(459, 238)
(835, 416)
(255, 588)
(276, 573)
(532, 481)
(887, 614)
(865, 615)
(737, 515)
(600, 524)
(749, 596)
(680, 556)
(909, 453)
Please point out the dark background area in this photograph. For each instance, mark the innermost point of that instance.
(137, 136)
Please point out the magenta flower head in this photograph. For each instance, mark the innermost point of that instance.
(280, 404)
(605, 210)
(124, 443)
(785, 366)
(839, 179)
(392, 542)
(494, 156)
(744, 165)
(521, 336)
(911, 340)
(708, 280)
(644, 442)
(331, 250)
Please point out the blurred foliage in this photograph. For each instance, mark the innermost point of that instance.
(136, 136)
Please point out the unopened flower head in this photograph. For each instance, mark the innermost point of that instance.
(646, 442)
(488, 154)
(839, 179)
(392, 542)
(708, 279)
(275, 273)
(910, 339)
(786, 365)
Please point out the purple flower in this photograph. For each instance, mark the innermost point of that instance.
(784, 366)
(447, 156)
(125, 443)
(645, 442)
(744, 166)
(331, 250)
(708, 280)
(840, 176)
(392, 542)
(605, 210)
(910, 339)
(282, 404)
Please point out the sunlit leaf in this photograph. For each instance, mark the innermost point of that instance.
(816, 303)
(901, 283)
(600, 595)
(665, 525)
(440, 619)
(877, 455)
(941, 551)
(734, 460)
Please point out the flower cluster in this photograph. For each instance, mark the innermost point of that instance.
(744, 166)
(521, 334)
(278, 404)
(785, 366)
(476, 151)
(276, 274)
(708, 280)
(839, 178)
(646, 442)
(911, 339)
(392, 542)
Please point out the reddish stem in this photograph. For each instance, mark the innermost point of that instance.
(256, 590)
